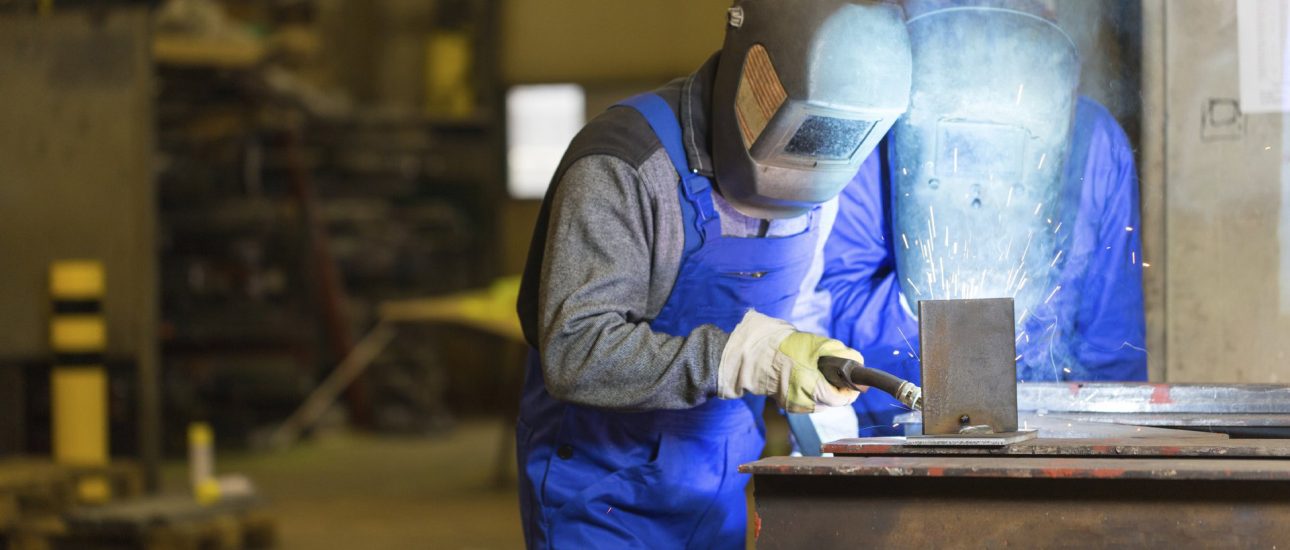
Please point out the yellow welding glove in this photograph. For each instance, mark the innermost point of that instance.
(806, 384)
(767, 356)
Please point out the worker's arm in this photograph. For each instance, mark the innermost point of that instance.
(610, 236)
(614, 235)
(1110, 322)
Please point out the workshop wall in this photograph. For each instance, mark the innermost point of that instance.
(76, 152)
(613, 49)
(594, 40)
(1218, 200)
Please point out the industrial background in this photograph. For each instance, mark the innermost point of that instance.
(283, 236)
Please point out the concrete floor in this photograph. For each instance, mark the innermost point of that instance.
(348, 490)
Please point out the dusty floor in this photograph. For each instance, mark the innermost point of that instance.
(368, 492)
(348, 490)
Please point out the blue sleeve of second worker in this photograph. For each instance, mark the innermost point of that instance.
(859, 275)
(1111, 323)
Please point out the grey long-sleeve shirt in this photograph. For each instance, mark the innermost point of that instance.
(611, 243)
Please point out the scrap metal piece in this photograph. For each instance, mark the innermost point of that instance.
(969, 367)
(1141, 397)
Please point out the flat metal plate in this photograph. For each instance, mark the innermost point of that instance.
(1138, 397)
(1182, 420)
(1171, 469)
(973, 440)
(1125, 447)
(969, 365)
(1089, 426)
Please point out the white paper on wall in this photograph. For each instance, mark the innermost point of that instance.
(1265, 80)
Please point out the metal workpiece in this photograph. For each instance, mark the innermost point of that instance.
(969, 368)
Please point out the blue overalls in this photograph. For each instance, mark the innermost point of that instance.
(595, 478)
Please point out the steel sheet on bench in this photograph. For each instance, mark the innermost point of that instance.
(1088, 447)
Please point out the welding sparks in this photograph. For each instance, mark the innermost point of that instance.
(1129, 228)
(1021, 88)
(1041, 161)
(1059, 228)
(1009, 201)
(931, 219)
(1027, 249)
(906, 240)
(907, 344)
(1054, 293)
(911, 283)
(1037, 207)
(1055, 259)
(956, 160)
(1017, 358)
(1133, 257)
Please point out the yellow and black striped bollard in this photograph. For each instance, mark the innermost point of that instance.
(78, 380)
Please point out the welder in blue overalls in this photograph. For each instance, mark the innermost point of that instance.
(671, 248)
(999, 181)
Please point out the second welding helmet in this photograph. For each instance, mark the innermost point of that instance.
(805, 89)
(978, 160)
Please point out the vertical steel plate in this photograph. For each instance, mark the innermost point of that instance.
(968, 364)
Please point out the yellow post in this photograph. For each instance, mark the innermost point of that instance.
(78, 380)
(201, 463)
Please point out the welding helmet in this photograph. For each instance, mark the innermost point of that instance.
(804, 91)
(977, 161)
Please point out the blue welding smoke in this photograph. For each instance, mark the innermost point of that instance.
(979, 209)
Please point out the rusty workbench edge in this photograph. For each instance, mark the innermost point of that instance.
(1024, 467)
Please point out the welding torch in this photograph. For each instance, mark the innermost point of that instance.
(846, 373)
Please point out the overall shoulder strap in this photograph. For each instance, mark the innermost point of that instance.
(661, 118)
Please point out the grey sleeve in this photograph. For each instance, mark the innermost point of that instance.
(612, 249)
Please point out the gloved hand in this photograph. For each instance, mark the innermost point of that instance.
(767, 356)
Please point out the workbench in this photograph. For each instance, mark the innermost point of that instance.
(1123, 491)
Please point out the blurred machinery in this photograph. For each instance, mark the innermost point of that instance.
(290, 209)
